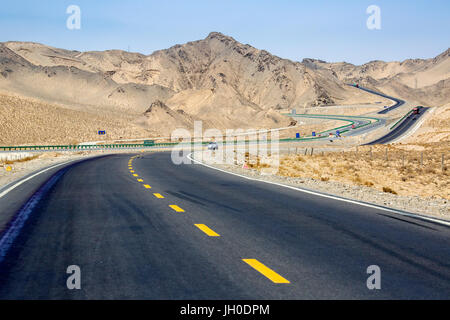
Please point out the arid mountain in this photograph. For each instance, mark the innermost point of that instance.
(218, 80)
(71, 85)
(426, 81)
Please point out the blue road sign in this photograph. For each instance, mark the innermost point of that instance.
(102, 132)
(297, 135)
(313, 133)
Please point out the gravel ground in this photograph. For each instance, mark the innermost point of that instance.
(435, 207)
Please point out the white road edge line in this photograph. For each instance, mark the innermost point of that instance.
(31, 177)
(417, 216)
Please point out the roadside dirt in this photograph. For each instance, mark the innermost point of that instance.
(313, 178)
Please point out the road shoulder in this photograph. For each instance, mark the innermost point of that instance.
(406, 205)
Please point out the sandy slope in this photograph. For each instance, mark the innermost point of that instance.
(218, 80)
(425, 81)
(27, 121)
(434, 130)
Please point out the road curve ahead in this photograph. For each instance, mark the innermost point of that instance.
(400, 129)
(144, 228)
(398, 102)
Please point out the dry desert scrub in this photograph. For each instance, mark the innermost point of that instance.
(3, 162)
(26, 121)
(403, 172)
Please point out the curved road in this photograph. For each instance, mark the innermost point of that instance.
(398, 102)
(130, 244)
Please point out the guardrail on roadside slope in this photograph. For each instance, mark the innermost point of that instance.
(81, 147)
(168, 144)
(333, 117)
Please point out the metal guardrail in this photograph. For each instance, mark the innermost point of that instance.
(168, 144)
(81, 147)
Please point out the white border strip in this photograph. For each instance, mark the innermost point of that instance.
(407, 214)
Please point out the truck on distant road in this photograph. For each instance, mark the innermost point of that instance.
(416, 110)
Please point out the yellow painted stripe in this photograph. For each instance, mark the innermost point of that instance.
(158, 195)
(140, 180)
(146, 186)
(135, 175)
(176, 208)
(131, 171)
(269, 273)
(207, 230)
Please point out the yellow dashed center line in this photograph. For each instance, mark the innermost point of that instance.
(269, 273)
(255, 264)
(176, 208)
(207, 230)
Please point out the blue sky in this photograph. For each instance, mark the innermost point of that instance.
(322, 29)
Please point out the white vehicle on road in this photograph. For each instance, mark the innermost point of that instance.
(213, 146)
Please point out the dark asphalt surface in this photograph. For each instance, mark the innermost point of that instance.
(131, 245)
(398, 102)
(401, 129)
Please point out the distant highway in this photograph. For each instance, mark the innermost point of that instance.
(141, 227)
(401, 129)
(398, 102)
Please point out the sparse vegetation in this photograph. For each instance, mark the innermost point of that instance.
(389, 190)
(5, 162)
(404, 173)
(27, 121)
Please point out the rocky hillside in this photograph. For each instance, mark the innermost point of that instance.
(426, 81)
(217, 79)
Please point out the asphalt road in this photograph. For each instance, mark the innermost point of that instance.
(129, 244)
(398, 102)
(401, 129)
